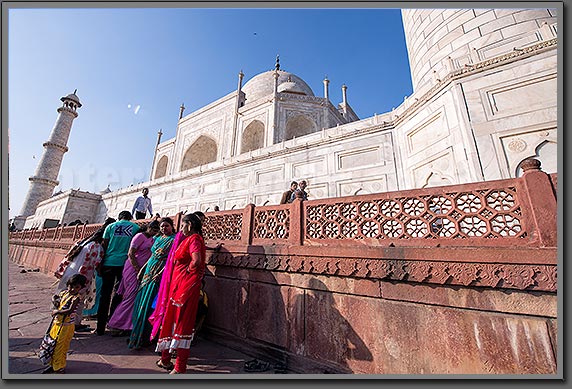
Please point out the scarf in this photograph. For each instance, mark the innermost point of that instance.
(156, 317)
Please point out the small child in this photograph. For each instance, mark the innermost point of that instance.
(65, 304)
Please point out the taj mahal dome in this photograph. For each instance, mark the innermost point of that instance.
(484, 99)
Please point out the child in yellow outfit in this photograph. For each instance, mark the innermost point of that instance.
(63, 326)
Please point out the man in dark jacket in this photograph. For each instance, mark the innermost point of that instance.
(288, 194)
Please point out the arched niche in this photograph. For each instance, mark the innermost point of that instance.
(298, 126)
(437, 179)
(161, 169)
(252, 137)
(547, 153)
(201, 152)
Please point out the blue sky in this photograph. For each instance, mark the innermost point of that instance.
(133, 68)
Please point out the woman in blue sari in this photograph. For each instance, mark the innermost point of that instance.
(150, 276)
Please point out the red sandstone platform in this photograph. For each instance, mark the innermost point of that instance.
(29, 295)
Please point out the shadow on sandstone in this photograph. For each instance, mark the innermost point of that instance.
(328, 336)
(246, 307)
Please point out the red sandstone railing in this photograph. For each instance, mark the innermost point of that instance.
(224, 225)
(271, 224)
(511, 212)
(488, 214)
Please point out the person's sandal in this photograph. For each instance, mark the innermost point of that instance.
(256, 366)
(174, 372)
(168, 367)
(280, 368)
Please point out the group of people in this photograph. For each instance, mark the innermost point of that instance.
(149, 289)
(148, 283)
(297, 190)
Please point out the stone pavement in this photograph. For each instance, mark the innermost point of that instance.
(29, 296)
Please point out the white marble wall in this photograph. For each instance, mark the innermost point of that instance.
(444, 138)
(475, 121)
(66, 207)
(438, 39)
(216, 121)
(514, 115)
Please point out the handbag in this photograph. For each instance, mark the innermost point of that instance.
(154, 303)
(48, 344)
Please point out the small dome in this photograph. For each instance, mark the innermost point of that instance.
(291, 87)
(105, 191)
(263, 85)
(73, 97)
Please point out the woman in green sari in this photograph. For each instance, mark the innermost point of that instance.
(150, 276)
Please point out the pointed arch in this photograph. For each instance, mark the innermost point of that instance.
(547, 153)
(298, 126)
(161, 169)
(436, 179)
(252, 137)
(201, 152)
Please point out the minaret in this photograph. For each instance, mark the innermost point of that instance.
(235, 121)
(159, 134)
(344, 99)
(44, 180)
(326, 82)
(276, 75)
(274, 117)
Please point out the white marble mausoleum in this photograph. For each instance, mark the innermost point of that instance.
(484, 99)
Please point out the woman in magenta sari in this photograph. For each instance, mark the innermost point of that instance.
(156, 317)
(177, 307)
(139, 252)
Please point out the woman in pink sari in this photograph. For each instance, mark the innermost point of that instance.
(177, 306)
(121, 322)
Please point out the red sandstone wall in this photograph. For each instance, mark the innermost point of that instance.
(327, 286)
(345, 324)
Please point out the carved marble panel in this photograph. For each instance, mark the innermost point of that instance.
(171, 211)
(520, 96)
(267, 199)
(313, 167)
(437, 170)
(427, 133)
(261, 117)
(519, 146)
(237, 182)
(314, 115)
(356, 187)
(211, 187)
(507, 45)
(235, 203)
(317, 191)
(190, 191)
(173, 194)
(271, 175)
(355, 159)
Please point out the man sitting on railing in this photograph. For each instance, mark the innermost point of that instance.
(300, 193)
(287, 196)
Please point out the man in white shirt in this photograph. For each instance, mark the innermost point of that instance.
(142, 205)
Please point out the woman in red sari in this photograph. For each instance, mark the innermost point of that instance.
(177, 326)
